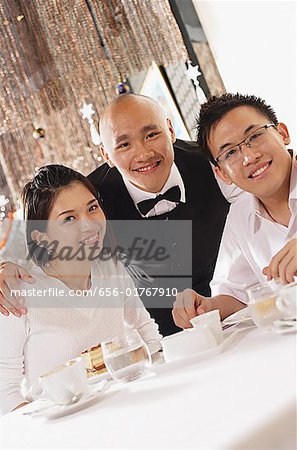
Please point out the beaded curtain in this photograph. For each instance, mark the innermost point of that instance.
(56, 54)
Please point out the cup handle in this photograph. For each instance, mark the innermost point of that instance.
(282, 304)
(36, 391)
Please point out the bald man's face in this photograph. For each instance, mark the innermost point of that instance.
(138, 141)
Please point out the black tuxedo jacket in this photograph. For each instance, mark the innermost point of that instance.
(205, 207)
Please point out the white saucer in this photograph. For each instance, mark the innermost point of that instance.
(101, 376)
(286, 326)
(52, 411)
(242, 315)
(229, 340)
(59, 411)
(182, 362)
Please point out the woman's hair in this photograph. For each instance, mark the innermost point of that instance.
(38, 198)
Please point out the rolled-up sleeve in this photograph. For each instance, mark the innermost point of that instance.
(13, 336)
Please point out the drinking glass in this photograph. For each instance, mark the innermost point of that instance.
(263, 306)
(127, 356)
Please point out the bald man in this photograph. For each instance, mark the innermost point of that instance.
(152, 177)
(144, 160)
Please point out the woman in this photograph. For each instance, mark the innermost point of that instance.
(81, 297)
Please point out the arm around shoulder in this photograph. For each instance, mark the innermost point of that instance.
(13, 334)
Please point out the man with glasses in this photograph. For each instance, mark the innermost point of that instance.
(242, 137)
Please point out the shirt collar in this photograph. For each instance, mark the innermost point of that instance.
(174, 179)
(258, 210)
(293, 181)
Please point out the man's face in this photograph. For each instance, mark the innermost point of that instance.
(137, 139)
(263, 170)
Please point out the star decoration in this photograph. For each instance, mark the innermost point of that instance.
(192, 72)
(87, 111)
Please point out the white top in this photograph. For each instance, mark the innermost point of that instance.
(59, 325)
(250, 239)
(163, 206)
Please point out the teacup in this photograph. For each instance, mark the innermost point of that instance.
(187, 342)
(212, 320)
(63, 384)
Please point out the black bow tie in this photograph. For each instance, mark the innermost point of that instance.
(172, 195)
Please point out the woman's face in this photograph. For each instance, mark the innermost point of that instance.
(76, 222)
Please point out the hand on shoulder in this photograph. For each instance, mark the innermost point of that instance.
(10, 276)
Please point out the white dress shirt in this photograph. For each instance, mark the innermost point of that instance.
(163, 206)
(250, 239)
(59, 326)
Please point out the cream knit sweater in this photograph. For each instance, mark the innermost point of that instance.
(60, 324)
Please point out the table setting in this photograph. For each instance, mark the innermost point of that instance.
(232, 380)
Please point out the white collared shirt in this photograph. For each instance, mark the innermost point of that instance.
(250, 239)
(163, 206)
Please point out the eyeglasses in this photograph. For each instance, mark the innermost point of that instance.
(233, 155)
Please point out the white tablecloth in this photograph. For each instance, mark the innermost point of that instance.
(244, 398)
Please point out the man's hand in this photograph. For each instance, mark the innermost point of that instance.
(284, 264)
(188, 305)
(10, 276)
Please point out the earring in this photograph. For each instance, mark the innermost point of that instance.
(47, 255)
(50, 253)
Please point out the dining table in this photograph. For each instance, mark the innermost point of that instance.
(240, 397)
